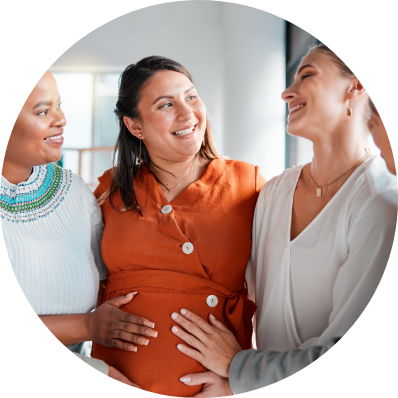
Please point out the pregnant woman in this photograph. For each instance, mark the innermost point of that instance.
(178, 222)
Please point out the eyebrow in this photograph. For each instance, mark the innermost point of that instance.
(45, 103)
(170, 96)
(303, 67)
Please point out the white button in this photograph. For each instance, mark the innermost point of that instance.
(212, 301)
(187, 247)
(166, 209)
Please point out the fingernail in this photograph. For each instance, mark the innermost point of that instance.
(174, 315)
(212, 316)
(151, 333)
(131, 348)
(179, 346)
(149, 324)
(131, 294)
(174, 329)
(185, 379)
(183, 312)
(143, 341)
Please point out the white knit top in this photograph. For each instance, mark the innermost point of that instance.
(53, 229)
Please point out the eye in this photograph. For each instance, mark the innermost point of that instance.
(167, 105)
(305, 76)
(43, 113)
(191, 97)
(59, 105)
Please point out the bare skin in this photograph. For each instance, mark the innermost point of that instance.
(160, 118)
(41, 118)
(322, 96)
(380, 138)
(339, 140)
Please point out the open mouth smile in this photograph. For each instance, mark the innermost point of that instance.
(55, 139)
(188, 132)
(296, 108)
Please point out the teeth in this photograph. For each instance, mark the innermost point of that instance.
(296, 107)
(55, 137)
(184, 132)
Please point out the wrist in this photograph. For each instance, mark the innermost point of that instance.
(87, 319)
(230, 363)
(228, 388)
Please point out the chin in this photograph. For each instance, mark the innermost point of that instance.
(298, 130)
(52, 158)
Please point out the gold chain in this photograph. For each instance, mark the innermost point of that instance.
(319, 189)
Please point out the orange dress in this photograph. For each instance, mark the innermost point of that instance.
(191, 253)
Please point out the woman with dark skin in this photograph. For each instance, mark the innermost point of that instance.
(35, 142)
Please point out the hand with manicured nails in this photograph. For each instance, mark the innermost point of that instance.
(112, 327)
(213, 385)
(115, 374)
(214, 345)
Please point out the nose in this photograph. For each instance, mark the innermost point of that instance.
(60, 120)
(185, 112)
(289, 94)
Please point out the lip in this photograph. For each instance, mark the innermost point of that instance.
(57, 138)
(293, 104)
(186, 136)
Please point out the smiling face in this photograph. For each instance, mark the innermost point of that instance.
(173, 117)
(36, 138)
(317, 99)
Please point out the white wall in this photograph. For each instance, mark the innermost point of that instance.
(236, 55)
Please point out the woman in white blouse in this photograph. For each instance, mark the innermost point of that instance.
(53, 229)
(322, 232)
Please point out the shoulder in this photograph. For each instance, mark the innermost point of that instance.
(244, 174)
(239, 167)
(283, 181)
(375, 185)
(378, 178)
(106, 179)
(373, 194)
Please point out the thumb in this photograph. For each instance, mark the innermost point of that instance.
(219, 325)
(121, 300)
(194, 379)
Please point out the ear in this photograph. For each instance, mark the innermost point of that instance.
(134, 126)
(356, 90)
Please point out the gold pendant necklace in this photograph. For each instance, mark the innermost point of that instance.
(319, 189)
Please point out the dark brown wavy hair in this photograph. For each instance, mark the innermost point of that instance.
(126, 160)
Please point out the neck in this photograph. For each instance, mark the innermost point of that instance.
(334, 156)
(15, 173)
(184, 171)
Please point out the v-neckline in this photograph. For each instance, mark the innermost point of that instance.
(209, 176)
(325, 208)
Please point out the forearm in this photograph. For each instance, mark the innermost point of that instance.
(252, 369)
(68, 329)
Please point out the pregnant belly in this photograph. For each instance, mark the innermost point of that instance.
(158, 366)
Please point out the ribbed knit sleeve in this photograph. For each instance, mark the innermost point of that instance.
(54, 249)
(97, 227)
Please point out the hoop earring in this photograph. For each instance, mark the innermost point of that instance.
(349, 111)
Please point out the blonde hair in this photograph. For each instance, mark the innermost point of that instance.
(344, 70)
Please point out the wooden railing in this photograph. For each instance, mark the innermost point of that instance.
(92, 149)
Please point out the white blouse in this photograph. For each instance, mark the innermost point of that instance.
(314, 288)
(53, 229)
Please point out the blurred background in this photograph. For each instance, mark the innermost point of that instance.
(241, 60)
